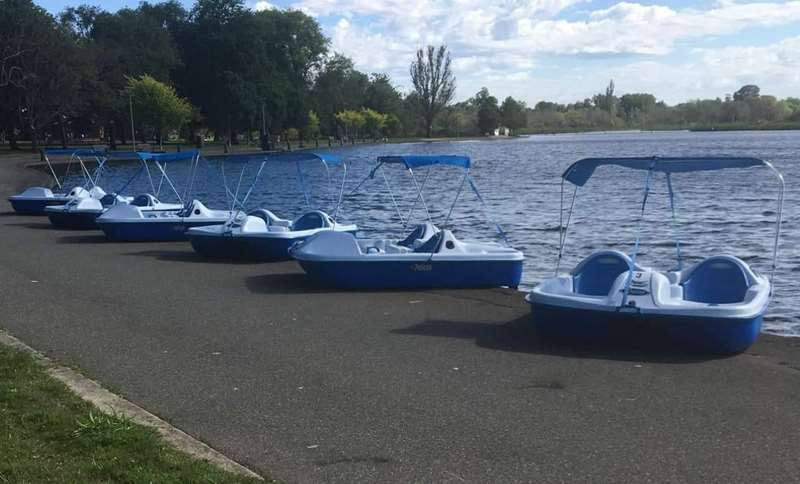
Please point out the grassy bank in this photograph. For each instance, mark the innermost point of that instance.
(48, 434)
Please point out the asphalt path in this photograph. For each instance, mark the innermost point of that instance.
(308, 384)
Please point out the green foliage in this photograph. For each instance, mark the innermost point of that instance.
(311, 129)
(512, 114)
(374, 122)
(488, 111)
(51, 436)
(157, 106)
(352, 121)
(434, 82)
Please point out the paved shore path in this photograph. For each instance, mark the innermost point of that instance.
(307, 384)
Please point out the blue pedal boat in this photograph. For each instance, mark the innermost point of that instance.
(428, 257)
(132, 223)
(80, 213)
(33, 200)
(714, 306)
(262, 236)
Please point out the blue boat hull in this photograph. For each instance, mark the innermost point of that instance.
(683, 333)
(33, 207)
(73, 220)
(411, 275)
(150, 232)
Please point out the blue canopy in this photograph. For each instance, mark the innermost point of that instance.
(75, 151)
(413, 161)
(240, 157)
(327, 158)
(177, 156)
(579, 172)
(126, 155)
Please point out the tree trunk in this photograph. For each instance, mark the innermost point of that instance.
(63, 133)
(112, 136)
(12, 137)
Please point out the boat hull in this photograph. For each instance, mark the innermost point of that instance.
(414, 274)
(161, 231)
(674, 332)
(33, 206)
(73, 220)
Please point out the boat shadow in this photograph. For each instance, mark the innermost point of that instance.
(46, 225)
(83, 239)
(519, 336)
(189, 256)
(285, 283)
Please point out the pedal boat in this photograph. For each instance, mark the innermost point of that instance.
(714, 306)
(428, 258)
(260, 235)
(33, 200)
(81, 213)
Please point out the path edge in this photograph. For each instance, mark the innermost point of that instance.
(94, 393)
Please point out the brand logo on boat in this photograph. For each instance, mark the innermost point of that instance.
(421, 267)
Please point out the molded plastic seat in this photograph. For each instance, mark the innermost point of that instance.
(432, 245)
(108, 199)
(717, 280)
(310, 221)
(422, 233)
(144, 200)
(595, 275)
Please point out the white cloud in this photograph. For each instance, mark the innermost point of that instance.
(502, 43)
(263, 5)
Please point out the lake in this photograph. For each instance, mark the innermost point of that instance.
(730, 211)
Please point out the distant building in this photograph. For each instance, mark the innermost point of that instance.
(502, 131)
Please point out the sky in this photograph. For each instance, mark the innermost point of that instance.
(566, 50)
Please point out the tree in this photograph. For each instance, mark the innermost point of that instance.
(311, 129)
(381, 95)
(488, 111)
(513, 114)
(434, 82)
(157, 106)
(338, 87)
(42, 72)
(373, 122)
(352, 121)
(749, 91)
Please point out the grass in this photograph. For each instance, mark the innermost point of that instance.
(48, 434)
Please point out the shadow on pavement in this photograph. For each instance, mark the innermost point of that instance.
(83, 239)
(520, 336)
(285, 283)
(185, 255)
(34, 225)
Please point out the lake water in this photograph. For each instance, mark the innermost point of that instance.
(730, 211)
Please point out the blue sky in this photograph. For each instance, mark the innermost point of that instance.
(565, 50)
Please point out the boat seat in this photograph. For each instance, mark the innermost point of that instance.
(595, 275)
(432, 245)
(108, 199)
(144, 200)
(268, 217)
(311, 220)
(717, 280)
(421, 234)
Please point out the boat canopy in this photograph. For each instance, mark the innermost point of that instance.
(177, 156)
(74, 151)
(579, 172)
(414, 161)
(327, 158)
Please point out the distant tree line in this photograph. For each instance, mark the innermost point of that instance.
(225, 71)
(745, 108)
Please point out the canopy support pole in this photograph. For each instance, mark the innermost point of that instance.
(629, 279)
(497, 226)
(562, 229)
(419, 198)
(52, 171)
(458, 194)
(674, 221)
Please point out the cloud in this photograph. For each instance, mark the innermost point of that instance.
(512, 38)
(263, 5)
